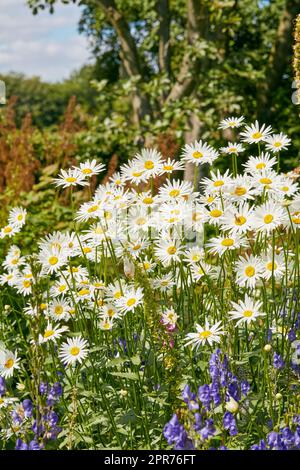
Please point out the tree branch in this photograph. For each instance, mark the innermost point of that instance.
(164, 55)
(197, 27)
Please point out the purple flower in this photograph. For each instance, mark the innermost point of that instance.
(43, 388)
(208, 430)
(33, 445)
(2, 386)
(229, 423)
(275, 442)
(245, 387)
(198, 422)
(175, 434)
(21, 445)
(291, 335)
(28, 408)
(215, 393)
(278, 362)
(190, 398)
(261, 446)
(204, 395)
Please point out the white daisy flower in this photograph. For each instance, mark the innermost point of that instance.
(17, 216)
(70, 178)
(268, 217)
(169, 166)
(246, 311)
(239, 219)
(74, 350)
(8, 363)
(273, 265)
(90, 168)
(208, 334)
(130, 300)
(198, 271)
(169, 317)
(232, 122)
(259, 164)
(150, 161)
(216, 182)
(52, 260)
(219, 245)
(52, 333)
(168, 250)
(277, 142)
(9, 230)
(249, 271)
(255, 133)
(199, 153)
(175, 191)
(232, 148)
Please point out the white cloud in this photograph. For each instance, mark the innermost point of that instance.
(45, 45)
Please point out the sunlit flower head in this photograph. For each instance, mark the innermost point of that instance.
(208, 334)
(73, 350)
(255, 133)
(72, 177)
(277, 142)
(199, 153)
(232, 122)
(246, 311)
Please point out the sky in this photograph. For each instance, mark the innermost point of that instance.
(44, 45)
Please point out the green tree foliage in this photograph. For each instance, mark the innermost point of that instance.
(184, 64)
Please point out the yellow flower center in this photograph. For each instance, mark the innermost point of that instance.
(215, 213)
(168, 167)
(149, 165)
(136, 174)
(148, 200)
(62, 288)
(9, 363)
(260, 166)
(174, 193)
(7, 229)
(74, 351)
(83, 292)
(107, 215)
(285, 188)
(136, 247)
(232, 149)
(257, 135)
(110, 312)
(172, 250)
(232, 123)
(93, 209)
(240, 220)
(210, 199)
(268, 218)
(71, 179)
(218, 183)
(296, 220)
(248, 313)
(26, 284)
(271, 266)
(197, 155)
(141, 221)
(86, 171)
(20, 217)
(43, 306)
(196, 258)
(14, 261)
(53, 260)
(48, 333)
(250, 271)
(117, 295)
(265, 181)
(227, 242)
(205, 334)
(58, 310)
(277, 144)
(240, 191)
(130, 302)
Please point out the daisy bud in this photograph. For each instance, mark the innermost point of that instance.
(123, 393)
(278, 396)
(267, 348)
(128, 268)
(232, 406)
